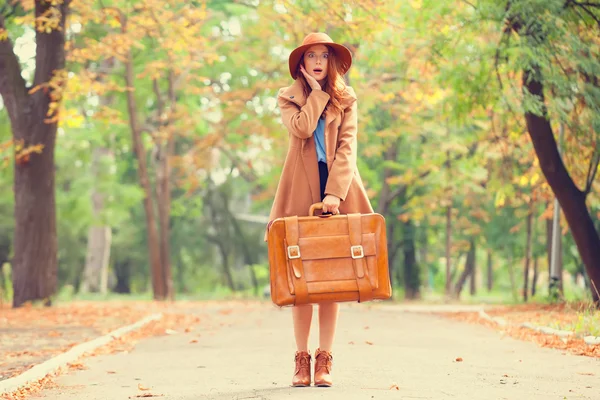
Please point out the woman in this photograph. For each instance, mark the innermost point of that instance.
(320, 113)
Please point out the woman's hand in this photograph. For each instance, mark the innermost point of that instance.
(311, 81)
(331, 204)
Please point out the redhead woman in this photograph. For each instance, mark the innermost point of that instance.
(320, 114)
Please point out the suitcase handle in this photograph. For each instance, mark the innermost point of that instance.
(317, 206)
(313, 207)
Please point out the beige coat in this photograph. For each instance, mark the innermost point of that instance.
(299, 185)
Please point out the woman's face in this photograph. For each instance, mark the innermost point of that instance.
(315, 61)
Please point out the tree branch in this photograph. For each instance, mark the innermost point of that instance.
(50, 55)
(12, 85)
(247, 173)
(591, 174)
(584, 6)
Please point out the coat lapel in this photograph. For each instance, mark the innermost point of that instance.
(295, 94)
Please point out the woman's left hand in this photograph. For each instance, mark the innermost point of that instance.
(331, 204)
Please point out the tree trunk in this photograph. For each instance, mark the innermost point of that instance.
(249, 255)
(529, 223)
(123, 275)
(226, 268)
(95, 273)
(386, 197)
(423, 248)
(164, 154)
(490, 271)
(448, 252)
(473, 279)
(4, 254)
(412, 278)
(549, 245)
(535, 276)
(513, 280)
(469, 266)
(34, 123)
(571, 199)
(158, 281)
(181, 272)
(390, 228)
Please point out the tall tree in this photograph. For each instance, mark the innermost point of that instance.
(537, 79)
(34, 115)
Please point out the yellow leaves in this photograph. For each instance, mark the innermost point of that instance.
(50, 20)
(110, 116)
(385, 97)
(72, 119)
(523, 181)
(3, 148)
(416, 4)
(154, 69)
(435, 97)
(529, 180)
(23, 154)
(3, 34)
(500, 199)
(54, 89)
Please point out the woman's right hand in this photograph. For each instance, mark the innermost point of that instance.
(311, 81)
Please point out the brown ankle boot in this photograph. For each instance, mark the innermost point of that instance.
(323, 361)
(302, 371)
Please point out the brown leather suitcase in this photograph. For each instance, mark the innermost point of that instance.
(321, 258)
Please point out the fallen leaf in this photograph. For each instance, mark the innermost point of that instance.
(76, 365)
(147, 395)
(369, 343)
(193, 341)
(586, 373)
(458, 359)
(366, 327)
(188, 330)
(350, 342)
(394, 386)
(142, 387)
(505, 375)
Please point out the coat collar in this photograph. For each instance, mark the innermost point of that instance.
(295, 94)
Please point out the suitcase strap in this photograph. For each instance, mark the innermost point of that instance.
(365, 290)
(294, 258)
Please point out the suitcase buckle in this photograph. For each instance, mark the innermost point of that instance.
(357, 251)
(293, 252)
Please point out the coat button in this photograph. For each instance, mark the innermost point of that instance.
(291, 97)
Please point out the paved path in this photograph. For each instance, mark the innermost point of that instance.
(246, 352)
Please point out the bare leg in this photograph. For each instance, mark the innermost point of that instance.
(328, 316)
(302, 316)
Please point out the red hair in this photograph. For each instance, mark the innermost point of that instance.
(335, 86)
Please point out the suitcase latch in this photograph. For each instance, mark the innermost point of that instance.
(293, 252)
(355, 251)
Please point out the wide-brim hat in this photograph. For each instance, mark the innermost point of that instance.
(341, 52)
